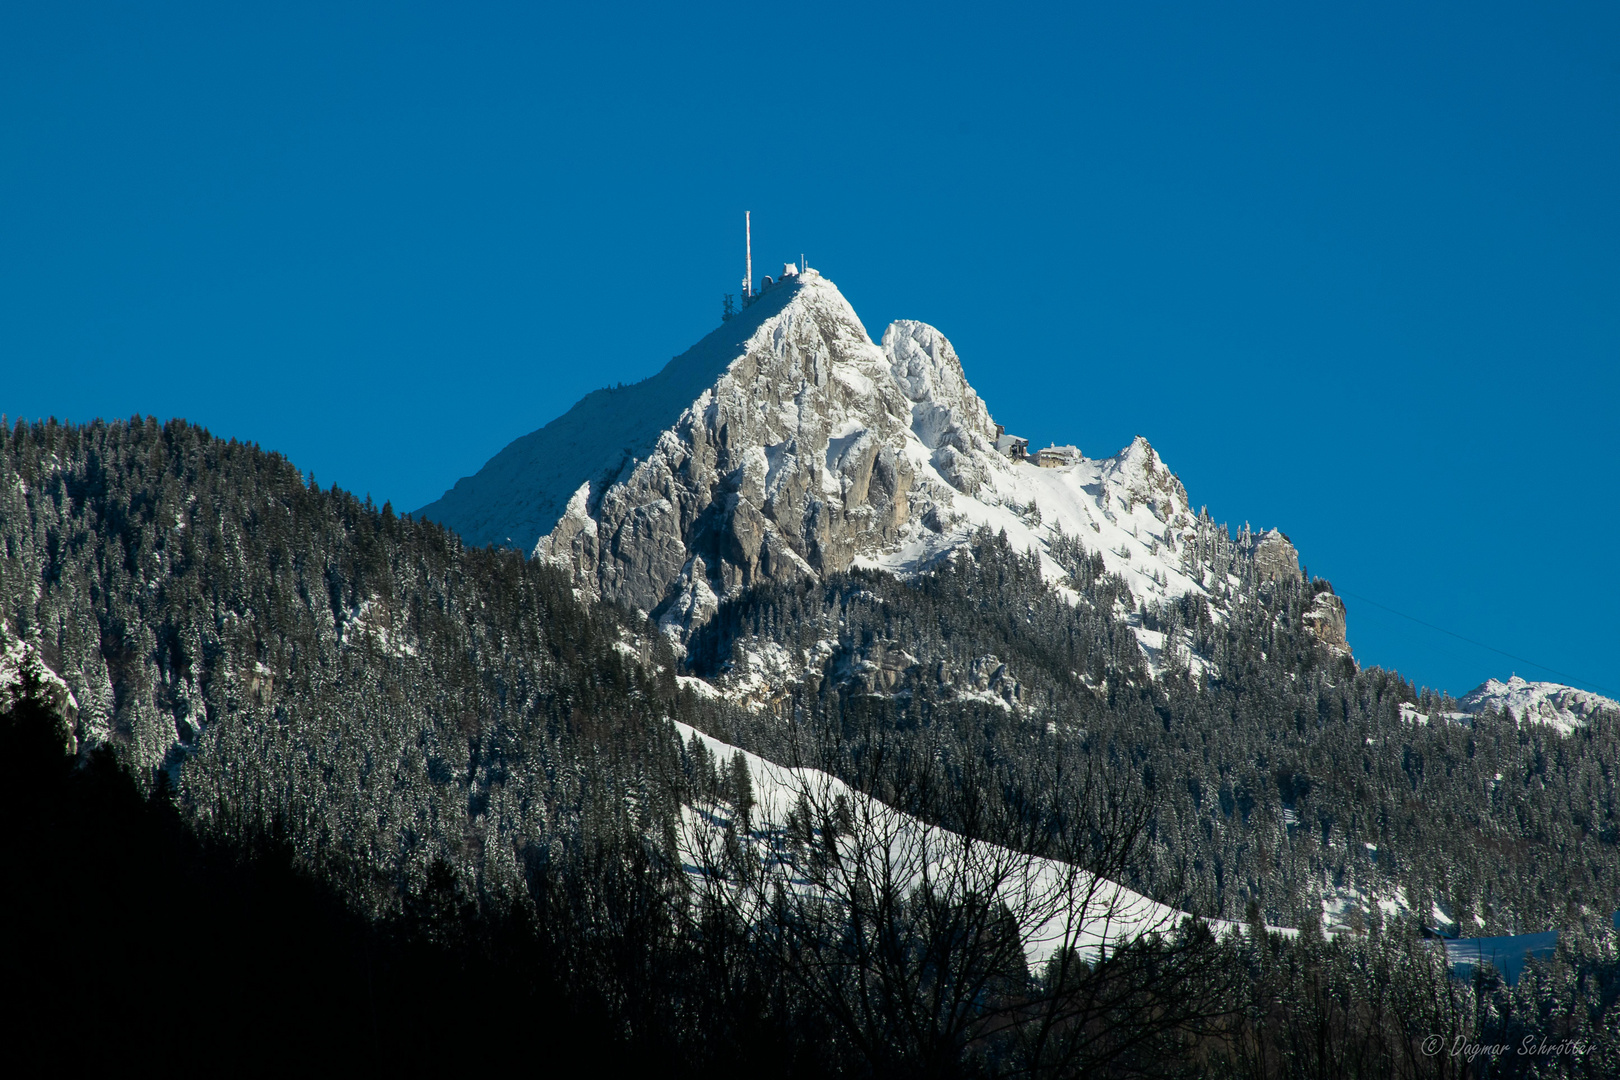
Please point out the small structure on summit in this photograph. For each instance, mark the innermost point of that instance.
(1014, 446)
(749, 293)
(789, 270)
(1057, 457)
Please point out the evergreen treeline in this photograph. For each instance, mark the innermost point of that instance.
(132, 942)
(1276, 770)
(305, 667)
(338, 776)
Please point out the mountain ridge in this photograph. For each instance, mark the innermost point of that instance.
(813, 449)
(473, 501)
(1563, 707)
(787, 444)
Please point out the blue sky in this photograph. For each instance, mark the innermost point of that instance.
(1355, 273)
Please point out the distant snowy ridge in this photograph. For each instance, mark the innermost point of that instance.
(787, 444)
(1560, 706)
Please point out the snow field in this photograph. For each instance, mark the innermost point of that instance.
(1058, 904)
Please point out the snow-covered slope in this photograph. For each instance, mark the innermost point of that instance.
(787, 444)
(1563, 707)
(1056, 905)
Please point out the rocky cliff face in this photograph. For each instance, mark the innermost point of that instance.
(801, 455)
(1275, 558)
(787, 444)
(1326, 620)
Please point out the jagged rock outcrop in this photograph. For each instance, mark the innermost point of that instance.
(946, 414)
(1325, 619)
(791, 463)
(1275, 558)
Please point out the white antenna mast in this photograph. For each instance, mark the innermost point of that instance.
(748, 240)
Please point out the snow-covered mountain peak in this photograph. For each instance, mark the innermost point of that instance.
(1138, 471)
(1563, 707)
(787, 445)
(520, 493)
(930, 373)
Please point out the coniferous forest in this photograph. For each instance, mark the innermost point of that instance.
(331, 781)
